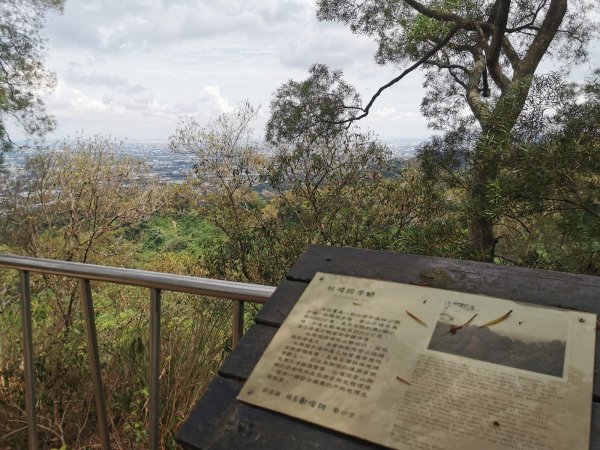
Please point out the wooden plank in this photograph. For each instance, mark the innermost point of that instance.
(541, 287)
(241, 426)
(221, 422)
(240, 363)
(207, 413)
(595, 433)
(281, 303)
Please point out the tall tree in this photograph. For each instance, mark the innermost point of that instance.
(553, 202)
(22, 74)
(228, 166)
(73, 203)
(480, 58)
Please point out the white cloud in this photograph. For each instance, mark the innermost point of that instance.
(133, 68)
(72, 102)
(138, 117)
(392, 113)
(115, 26)
(326, 44)
(212, 98)
(98, 79)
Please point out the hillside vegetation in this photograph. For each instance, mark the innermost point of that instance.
(245, 216)
(513, 177)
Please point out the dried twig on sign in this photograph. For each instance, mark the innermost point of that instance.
(416, 319)
(498, 320)
(403, 381)
(455, 328)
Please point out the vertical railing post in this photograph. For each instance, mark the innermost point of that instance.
(154, 401)
(237, 323)
(94, 357)
(32, 437)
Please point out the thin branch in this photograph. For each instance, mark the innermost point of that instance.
(457, 79)
(520, 222)
(507, 259)
(511, 53)
(422, 60)
(531, 22)
(447, 66)
(460, 48)
(527, 26)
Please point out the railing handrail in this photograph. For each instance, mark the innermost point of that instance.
(233, 290)
(157, 282)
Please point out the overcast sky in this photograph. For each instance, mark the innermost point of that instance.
(132, 69)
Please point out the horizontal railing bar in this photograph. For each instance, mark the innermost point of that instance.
(154, 280)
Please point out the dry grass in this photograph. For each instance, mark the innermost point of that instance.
(194, 340)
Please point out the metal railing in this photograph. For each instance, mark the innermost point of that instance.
(156, 282)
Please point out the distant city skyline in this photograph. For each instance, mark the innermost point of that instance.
(175, 167)
(133, 69)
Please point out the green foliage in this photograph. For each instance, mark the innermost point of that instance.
(543, 195)
(226, 154)
(85, 203)
(23, 77)
(311, 108)
(190, 232)
(253, 218)
(195, 332)
(480, 60)
(73, 202)
(551, 189)
(329, 185)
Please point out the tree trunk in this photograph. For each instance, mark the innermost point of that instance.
(494, 141)
(481, 224)
(482, 215)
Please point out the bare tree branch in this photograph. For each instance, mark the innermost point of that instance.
(457, 79)
(531, 22)
(446, 66)
(510, 53)
(422, 60)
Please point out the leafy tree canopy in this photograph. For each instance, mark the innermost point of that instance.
(314, 107)
(22, 74)
(474, 52)
(480, 59)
